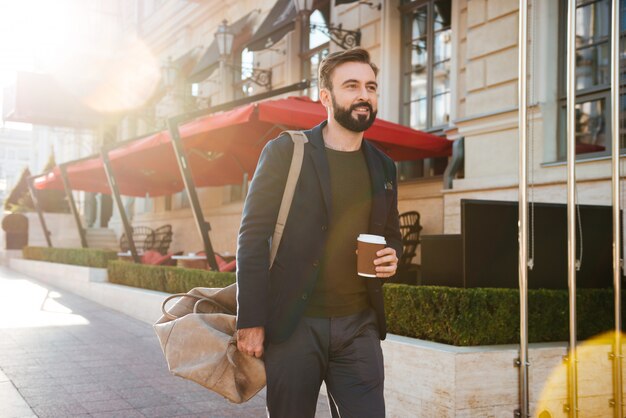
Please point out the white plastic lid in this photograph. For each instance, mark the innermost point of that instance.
(372, 239)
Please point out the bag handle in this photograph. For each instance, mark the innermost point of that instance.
(299, 139)
(199, 300)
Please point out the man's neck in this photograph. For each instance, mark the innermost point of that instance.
(338, 138)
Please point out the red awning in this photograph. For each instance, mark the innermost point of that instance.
(223, 146)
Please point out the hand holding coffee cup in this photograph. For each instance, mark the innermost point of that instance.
(373, 258)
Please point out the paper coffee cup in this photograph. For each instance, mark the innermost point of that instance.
(368, 245)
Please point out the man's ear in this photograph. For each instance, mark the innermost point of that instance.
(325, 97)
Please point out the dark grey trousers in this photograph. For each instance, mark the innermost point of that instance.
(344, 352)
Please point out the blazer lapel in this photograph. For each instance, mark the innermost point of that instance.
(378, 178)
(318, 154)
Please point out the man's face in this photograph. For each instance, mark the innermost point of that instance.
(353, 97)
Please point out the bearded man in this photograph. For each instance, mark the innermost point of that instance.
(310, 316)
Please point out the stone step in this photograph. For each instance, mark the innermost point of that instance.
(102, 238)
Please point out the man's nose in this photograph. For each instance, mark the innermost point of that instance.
(364, 94)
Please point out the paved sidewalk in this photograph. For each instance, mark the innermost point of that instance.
(70, 357)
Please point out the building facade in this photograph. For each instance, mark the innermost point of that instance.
(448, 67)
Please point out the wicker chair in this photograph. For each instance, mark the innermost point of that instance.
(143, 237)
(410, 229)
(163, 238)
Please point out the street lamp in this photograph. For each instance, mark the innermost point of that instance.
(304, 6)
(342, 37)
(225, 37)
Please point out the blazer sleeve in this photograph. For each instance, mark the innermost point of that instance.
(392, 226)
(258, 221)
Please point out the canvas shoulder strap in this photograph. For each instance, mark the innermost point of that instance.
(299, 139)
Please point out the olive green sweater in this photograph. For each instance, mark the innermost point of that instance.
(339, 291)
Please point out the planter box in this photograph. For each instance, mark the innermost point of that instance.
(426, 379)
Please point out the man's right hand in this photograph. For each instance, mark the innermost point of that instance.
(250, 341)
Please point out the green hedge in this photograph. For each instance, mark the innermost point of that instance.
(456, 316)
(166, 279)
(483, 316)
(77, 256)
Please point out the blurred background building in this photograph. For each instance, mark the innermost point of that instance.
(448, 67)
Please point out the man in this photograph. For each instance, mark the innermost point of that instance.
(311, 317)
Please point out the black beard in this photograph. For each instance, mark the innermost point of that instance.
(344, 116)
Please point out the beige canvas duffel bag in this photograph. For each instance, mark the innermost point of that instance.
(197, 333)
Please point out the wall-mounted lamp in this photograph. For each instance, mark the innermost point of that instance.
(225, 38)
(342, 37)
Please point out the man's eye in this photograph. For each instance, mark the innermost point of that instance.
(372, 89)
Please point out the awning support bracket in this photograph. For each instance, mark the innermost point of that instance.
(190, 188)
(42, 220)
(72, 203)
(128, 230)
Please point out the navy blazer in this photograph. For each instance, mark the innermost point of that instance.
(276, 298)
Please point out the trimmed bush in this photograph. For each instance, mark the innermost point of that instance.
(166, 279)
(86, 257)
(461, 317)
(484, 316)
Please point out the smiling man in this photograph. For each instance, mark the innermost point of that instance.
(310, 316)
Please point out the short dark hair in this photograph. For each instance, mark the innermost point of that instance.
(332, 61)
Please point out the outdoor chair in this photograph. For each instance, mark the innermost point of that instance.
(223, 265)
(154, 258)
(143, 237)
(162, 239)
(410, 229)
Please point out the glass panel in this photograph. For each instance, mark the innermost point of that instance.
(622, 16)
(622, 121)
(442, 14)
(247, 63)
(419, 82)
(418, 114)
(591, 128)
(622, 60)
(420, 19)
(315, 60)
(441, 78)
(317, 37)
(443, 45)
(408, 170)
(593, 22)
(593, 66)
(441, 109)
(419, 53)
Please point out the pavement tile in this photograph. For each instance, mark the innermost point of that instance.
(74, 387)
(164, 411)
(147, 401)
(126, 413)
(57, 411)
(101, 395)
(105, 406)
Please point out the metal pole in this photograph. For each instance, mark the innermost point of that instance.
(70, 200)
(190, 188)
(33, 195)
(617, 245)
(128, 230)
(523, 211)
(572, 378)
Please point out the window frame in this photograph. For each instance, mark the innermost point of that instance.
(427, 165)
(594, 93)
